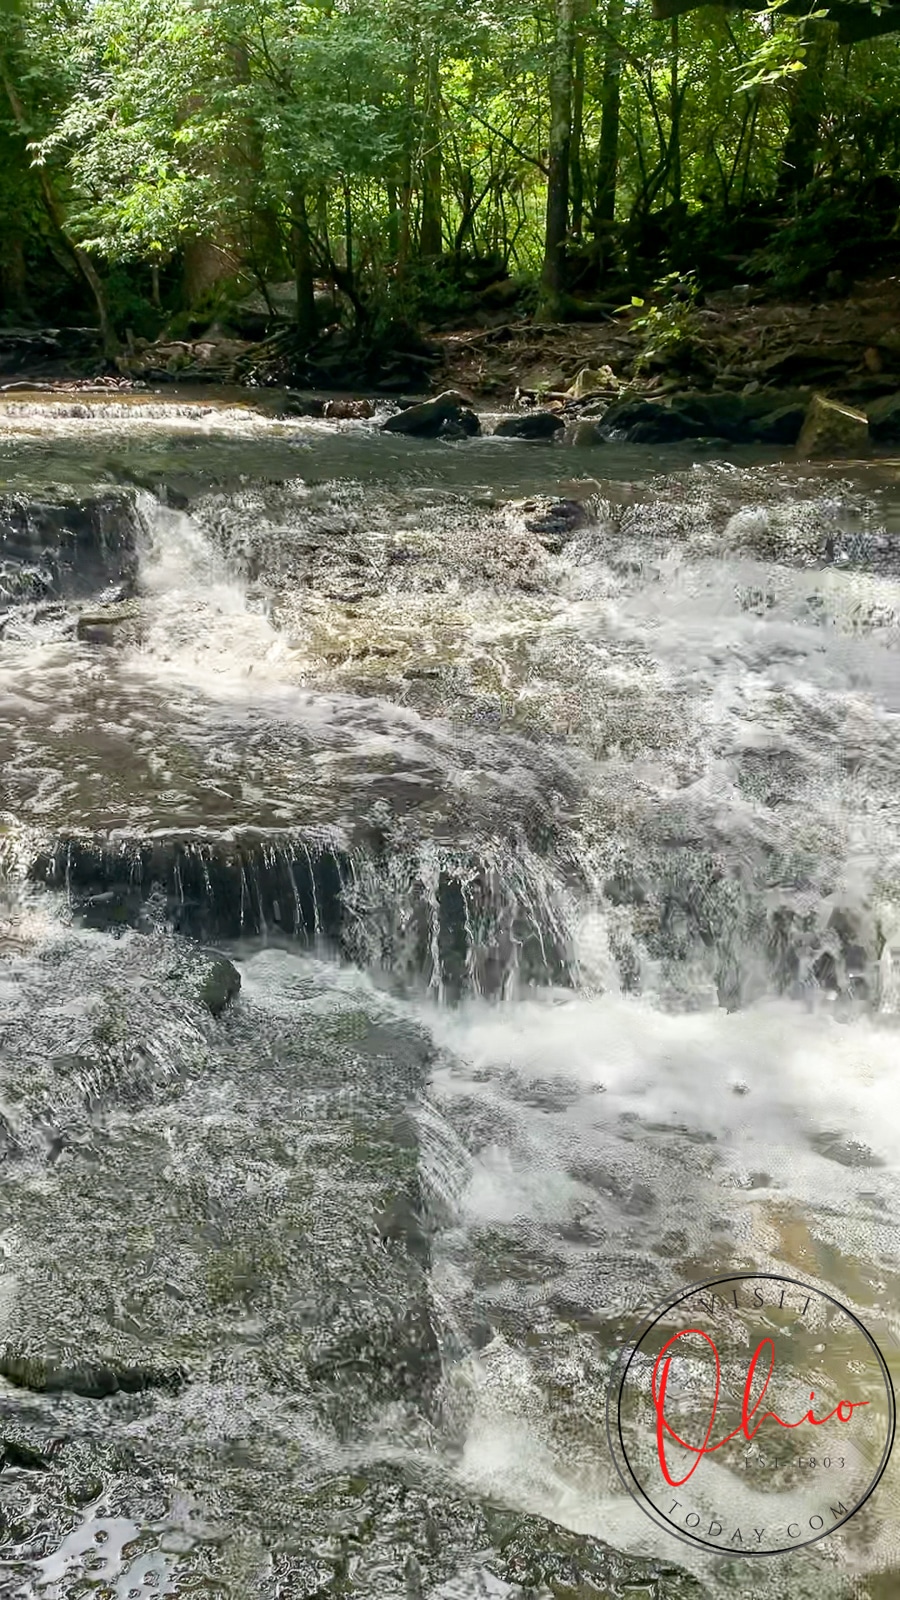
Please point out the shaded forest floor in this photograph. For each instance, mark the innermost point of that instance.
(848, 346)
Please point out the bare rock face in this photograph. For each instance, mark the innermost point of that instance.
(833, 429)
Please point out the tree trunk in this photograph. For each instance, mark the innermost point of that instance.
(393, 226)
(798, 161)
(431, 241)
(675, 122)
(576, 174)
(406, 166)
(82, 260)
(553, 275)
(303, 270)
(13, 273)
(610, 101)
(205, 264)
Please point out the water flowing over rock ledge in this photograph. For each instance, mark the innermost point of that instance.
(453, 919)
(385, 725)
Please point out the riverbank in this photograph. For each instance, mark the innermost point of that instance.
(848, 347)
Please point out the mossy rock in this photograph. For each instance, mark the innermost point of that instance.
(92, 1380)
(219, 983)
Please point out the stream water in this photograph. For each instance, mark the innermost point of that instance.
(558, 853)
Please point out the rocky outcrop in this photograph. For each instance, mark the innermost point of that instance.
(648, 422)
(831, 429)
(219, 888)
(533, 425)
(768, 417)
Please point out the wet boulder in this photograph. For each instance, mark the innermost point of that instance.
(427, 417)
(584, 435)
(219, 982)
(555, 521)
(765, 417)
(348, 410)
(781, 426)
(773, 417)
(833, 429)
(463, 426)
(65, 545)
(532, 425)
(884, 420)
(94, 1380)
(648, 422)
(303, 405)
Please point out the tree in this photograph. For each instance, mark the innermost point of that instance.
(553, 274)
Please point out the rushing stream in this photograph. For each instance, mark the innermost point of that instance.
(553, 829)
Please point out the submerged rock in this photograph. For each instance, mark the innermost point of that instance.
(93, 1380)
(408, 1539)
(112, 624)
(555, 521)
(583, 435)
(833, 429)
(536, 425)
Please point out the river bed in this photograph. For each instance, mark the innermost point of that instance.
(547, 804)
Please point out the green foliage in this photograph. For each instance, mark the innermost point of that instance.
(667, 324)
(779, 53)
(314, 136)
(827, 234)
(132, 309)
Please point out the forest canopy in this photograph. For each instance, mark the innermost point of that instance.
(160, 159)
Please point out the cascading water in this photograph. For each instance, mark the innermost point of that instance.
(556, 844)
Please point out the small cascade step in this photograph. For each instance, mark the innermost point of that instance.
(461, 921)
(66, 545)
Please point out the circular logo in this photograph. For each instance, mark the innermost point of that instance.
(752, 1414)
